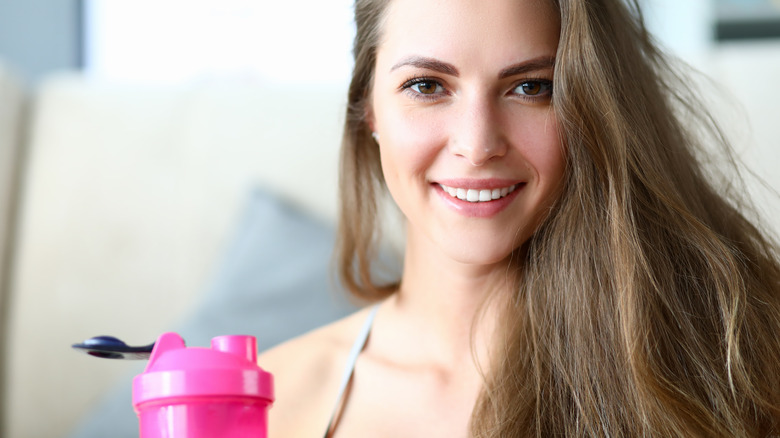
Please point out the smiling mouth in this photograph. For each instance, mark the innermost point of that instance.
(478, 195)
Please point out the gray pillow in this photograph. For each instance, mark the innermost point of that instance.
(274, 282)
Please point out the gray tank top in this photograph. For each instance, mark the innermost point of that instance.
(349, 369)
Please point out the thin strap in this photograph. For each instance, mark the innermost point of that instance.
(357, 347)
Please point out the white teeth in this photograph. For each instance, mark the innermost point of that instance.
(473, 195)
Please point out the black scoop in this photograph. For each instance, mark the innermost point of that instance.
(109, 347)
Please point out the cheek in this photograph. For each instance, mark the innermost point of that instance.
(409, 143)
(543, 150)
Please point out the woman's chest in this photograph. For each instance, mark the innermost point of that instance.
(384, 403)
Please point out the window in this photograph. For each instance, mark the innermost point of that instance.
(747, 19)
(166, 41)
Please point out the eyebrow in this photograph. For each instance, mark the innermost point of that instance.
(428, 64)
(535, 64)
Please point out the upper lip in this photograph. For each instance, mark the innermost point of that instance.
(479, 184)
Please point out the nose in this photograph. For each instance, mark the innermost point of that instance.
(477, 135)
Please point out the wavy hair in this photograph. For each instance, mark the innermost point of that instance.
(647, 304)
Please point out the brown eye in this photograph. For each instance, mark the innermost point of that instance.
(531, 88)
(426, 87)
(534, 88)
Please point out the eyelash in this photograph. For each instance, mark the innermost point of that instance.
(407, 87)
(545, 94)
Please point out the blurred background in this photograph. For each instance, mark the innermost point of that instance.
(174, 40)
(170, 41)
(135, 135)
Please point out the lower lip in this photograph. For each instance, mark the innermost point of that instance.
(478, 209)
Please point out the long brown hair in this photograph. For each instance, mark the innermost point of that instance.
(647, 304)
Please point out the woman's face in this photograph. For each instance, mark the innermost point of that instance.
(462, 104)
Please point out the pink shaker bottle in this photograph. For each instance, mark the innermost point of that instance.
(197, 392)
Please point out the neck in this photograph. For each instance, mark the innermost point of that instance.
(445, 304)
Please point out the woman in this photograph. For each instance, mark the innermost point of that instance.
(570, 270)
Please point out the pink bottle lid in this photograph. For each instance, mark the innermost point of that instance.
(176, 373)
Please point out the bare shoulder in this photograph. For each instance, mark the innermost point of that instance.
(307, 371)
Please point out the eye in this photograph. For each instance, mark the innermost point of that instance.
(534, 88)
(424, 87)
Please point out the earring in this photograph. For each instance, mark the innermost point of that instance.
(375, 135)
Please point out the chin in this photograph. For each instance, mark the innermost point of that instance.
(482, 255)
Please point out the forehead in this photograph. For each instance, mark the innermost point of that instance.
(470, 30)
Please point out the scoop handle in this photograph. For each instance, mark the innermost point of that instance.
(109, 347)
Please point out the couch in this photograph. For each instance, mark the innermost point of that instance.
(130, 210)
(129, 202)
